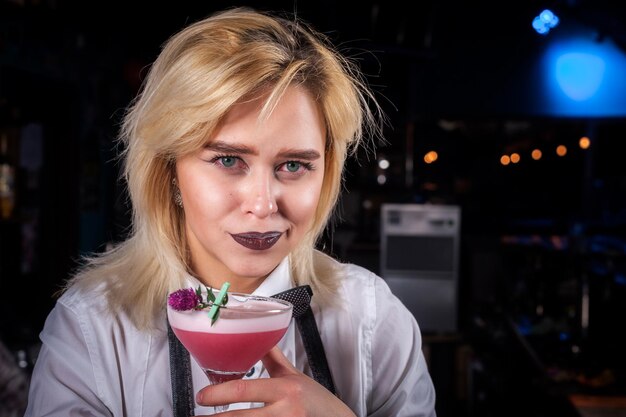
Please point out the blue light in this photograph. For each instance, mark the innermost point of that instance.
(546, 16)
(549, 18)
(545, 21)
(579, 74)
(539, 26)
(583, 76)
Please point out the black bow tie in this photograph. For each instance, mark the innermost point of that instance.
(300, 297)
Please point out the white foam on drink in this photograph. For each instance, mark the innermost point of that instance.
(238, 317)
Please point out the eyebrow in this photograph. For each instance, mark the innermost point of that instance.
(222, 147)
(306, 154)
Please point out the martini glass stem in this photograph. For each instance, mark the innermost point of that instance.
(217, 377)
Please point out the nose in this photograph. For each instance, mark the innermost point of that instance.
(259, 198)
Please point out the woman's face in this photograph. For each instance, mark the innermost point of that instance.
(251, 193)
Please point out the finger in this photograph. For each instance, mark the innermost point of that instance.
(277, 363)
(240, 390)
(265, 390)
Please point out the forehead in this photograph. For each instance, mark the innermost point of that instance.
(295, 115)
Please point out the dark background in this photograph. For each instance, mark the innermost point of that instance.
(454, 76)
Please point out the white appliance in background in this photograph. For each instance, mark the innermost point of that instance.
(420, 246)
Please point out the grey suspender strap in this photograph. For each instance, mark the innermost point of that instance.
(300, 297)
(180, 375)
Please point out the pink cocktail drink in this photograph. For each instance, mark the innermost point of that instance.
(247, 328)
(234, 352)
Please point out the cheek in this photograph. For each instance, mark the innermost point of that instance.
(303, 204)
(207, 199)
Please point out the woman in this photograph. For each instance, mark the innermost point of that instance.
(234, 156)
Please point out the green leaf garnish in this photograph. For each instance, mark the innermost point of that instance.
(209, 295)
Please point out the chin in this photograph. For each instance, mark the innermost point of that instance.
(254, 271)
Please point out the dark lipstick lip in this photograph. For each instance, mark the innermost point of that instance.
(257, 240)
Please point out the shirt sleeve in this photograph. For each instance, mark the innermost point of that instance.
(63, 381)
(402, 385)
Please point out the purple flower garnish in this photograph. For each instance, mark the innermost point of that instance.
(185, 299)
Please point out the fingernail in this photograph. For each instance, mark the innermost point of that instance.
(199, 397)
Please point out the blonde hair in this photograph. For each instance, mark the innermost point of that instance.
(200, 74)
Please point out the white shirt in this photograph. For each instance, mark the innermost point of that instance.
(95, 364)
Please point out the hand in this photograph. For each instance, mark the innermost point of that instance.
(288, 392)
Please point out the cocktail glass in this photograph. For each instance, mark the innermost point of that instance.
(247, 328)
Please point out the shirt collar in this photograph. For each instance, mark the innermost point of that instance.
(278, 280)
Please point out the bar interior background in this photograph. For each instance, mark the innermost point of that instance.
(519, 133)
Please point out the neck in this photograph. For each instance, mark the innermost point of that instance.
(237, 284)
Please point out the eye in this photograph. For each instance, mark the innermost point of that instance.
(293, 166)
(228, 161)
(295, 169)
